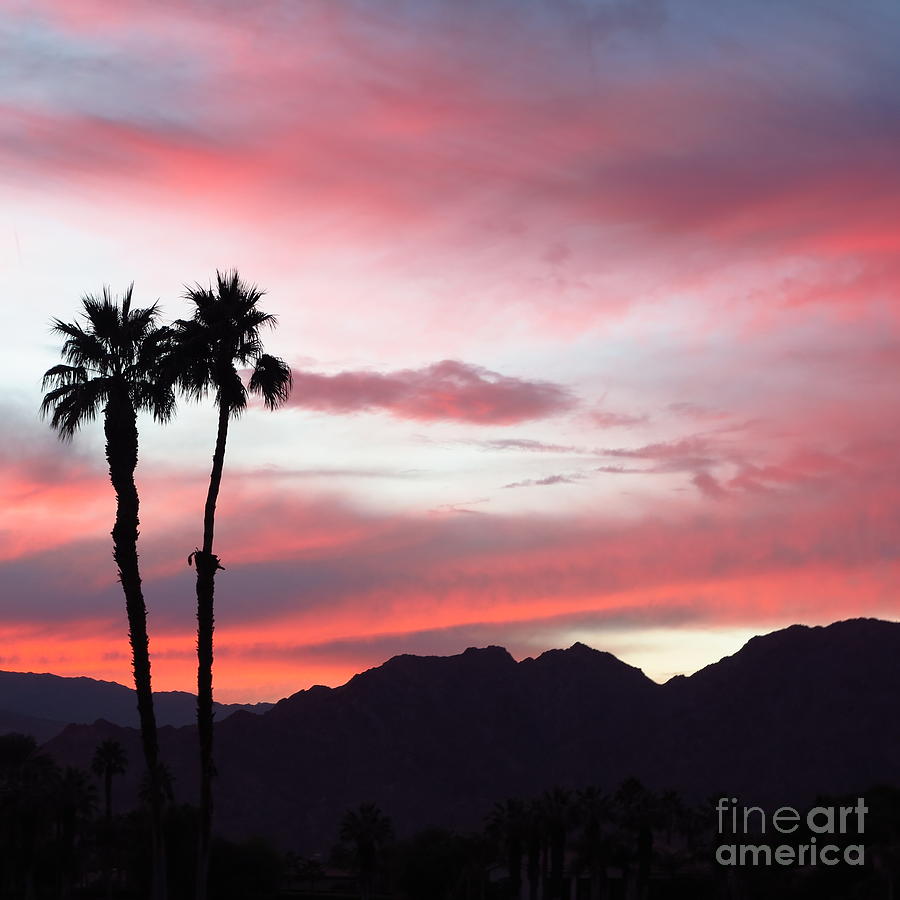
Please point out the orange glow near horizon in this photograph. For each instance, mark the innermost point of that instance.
(593, 314)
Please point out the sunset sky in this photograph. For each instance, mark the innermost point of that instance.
(593, 309)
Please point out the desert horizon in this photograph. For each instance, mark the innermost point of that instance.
(228, 698)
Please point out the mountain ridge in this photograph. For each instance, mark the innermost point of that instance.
(59, 700)
(440, 739)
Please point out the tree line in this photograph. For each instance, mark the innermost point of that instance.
(60, 839)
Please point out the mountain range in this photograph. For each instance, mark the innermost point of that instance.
(43, 704)
(437, 740)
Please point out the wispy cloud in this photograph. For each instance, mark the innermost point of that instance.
(546, 481)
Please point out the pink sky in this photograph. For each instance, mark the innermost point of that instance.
(592, 308)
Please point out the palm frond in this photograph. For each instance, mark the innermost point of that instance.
(141, 322)
(80, 347)
(104, 316)
(223, 334)
(70, 405)
(62, 375)
(230, 391)
(156, 397)
(115, 346)
(233, 289)
(272, 379)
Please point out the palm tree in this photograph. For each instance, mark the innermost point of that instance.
(109, 760)
(165, 787)
(534, 848)
(75, 802)
(507, 825)
(366, 830)
(556, 810)
(26, 789)
(111, 361)
(637, 810)
(222, 335)
(593, 816)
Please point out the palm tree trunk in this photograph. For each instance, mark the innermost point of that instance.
(514, 864)
(107, 791)
(207, 564)
(107, 831)
(120, 428)
(533, 868)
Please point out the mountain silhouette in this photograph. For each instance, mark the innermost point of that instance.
(54, 701)
(436, 740)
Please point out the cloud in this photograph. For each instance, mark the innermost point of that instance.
(684, 455)
(447, 390)
(696, 411)
(632, 143)
(546, 481)
(528, 445)
(606, 419)
(709, 485)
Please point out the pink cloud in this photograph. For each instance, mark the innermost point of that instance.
(607, 419)
(709, 485)
(417, 127)
(546, 481)
(685, 454)
(447, 390)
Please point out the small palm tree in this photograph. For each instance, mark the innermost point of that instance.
(507, 825)
(109, 760)
(556, 810)
(111, 361)
(366, 830)
(209, 348)
(76, 799)
(637, 810)
(165, 787)
(593, 815)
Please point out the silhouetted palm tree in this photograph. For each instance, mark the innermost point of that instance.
(76, 799)
(111, 366)
(165, 786)
(593, 849)
(507, 824)
(637, 810)
(366, 830)
(534, 847)
(109, 760)
(222, 335)
(556, 811)
(26, 782)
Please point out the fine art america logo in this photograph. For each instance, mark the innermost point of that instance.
(813, 833)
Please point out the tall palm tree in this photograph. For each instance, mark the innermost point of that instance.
(209, 348)
(111, 359)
